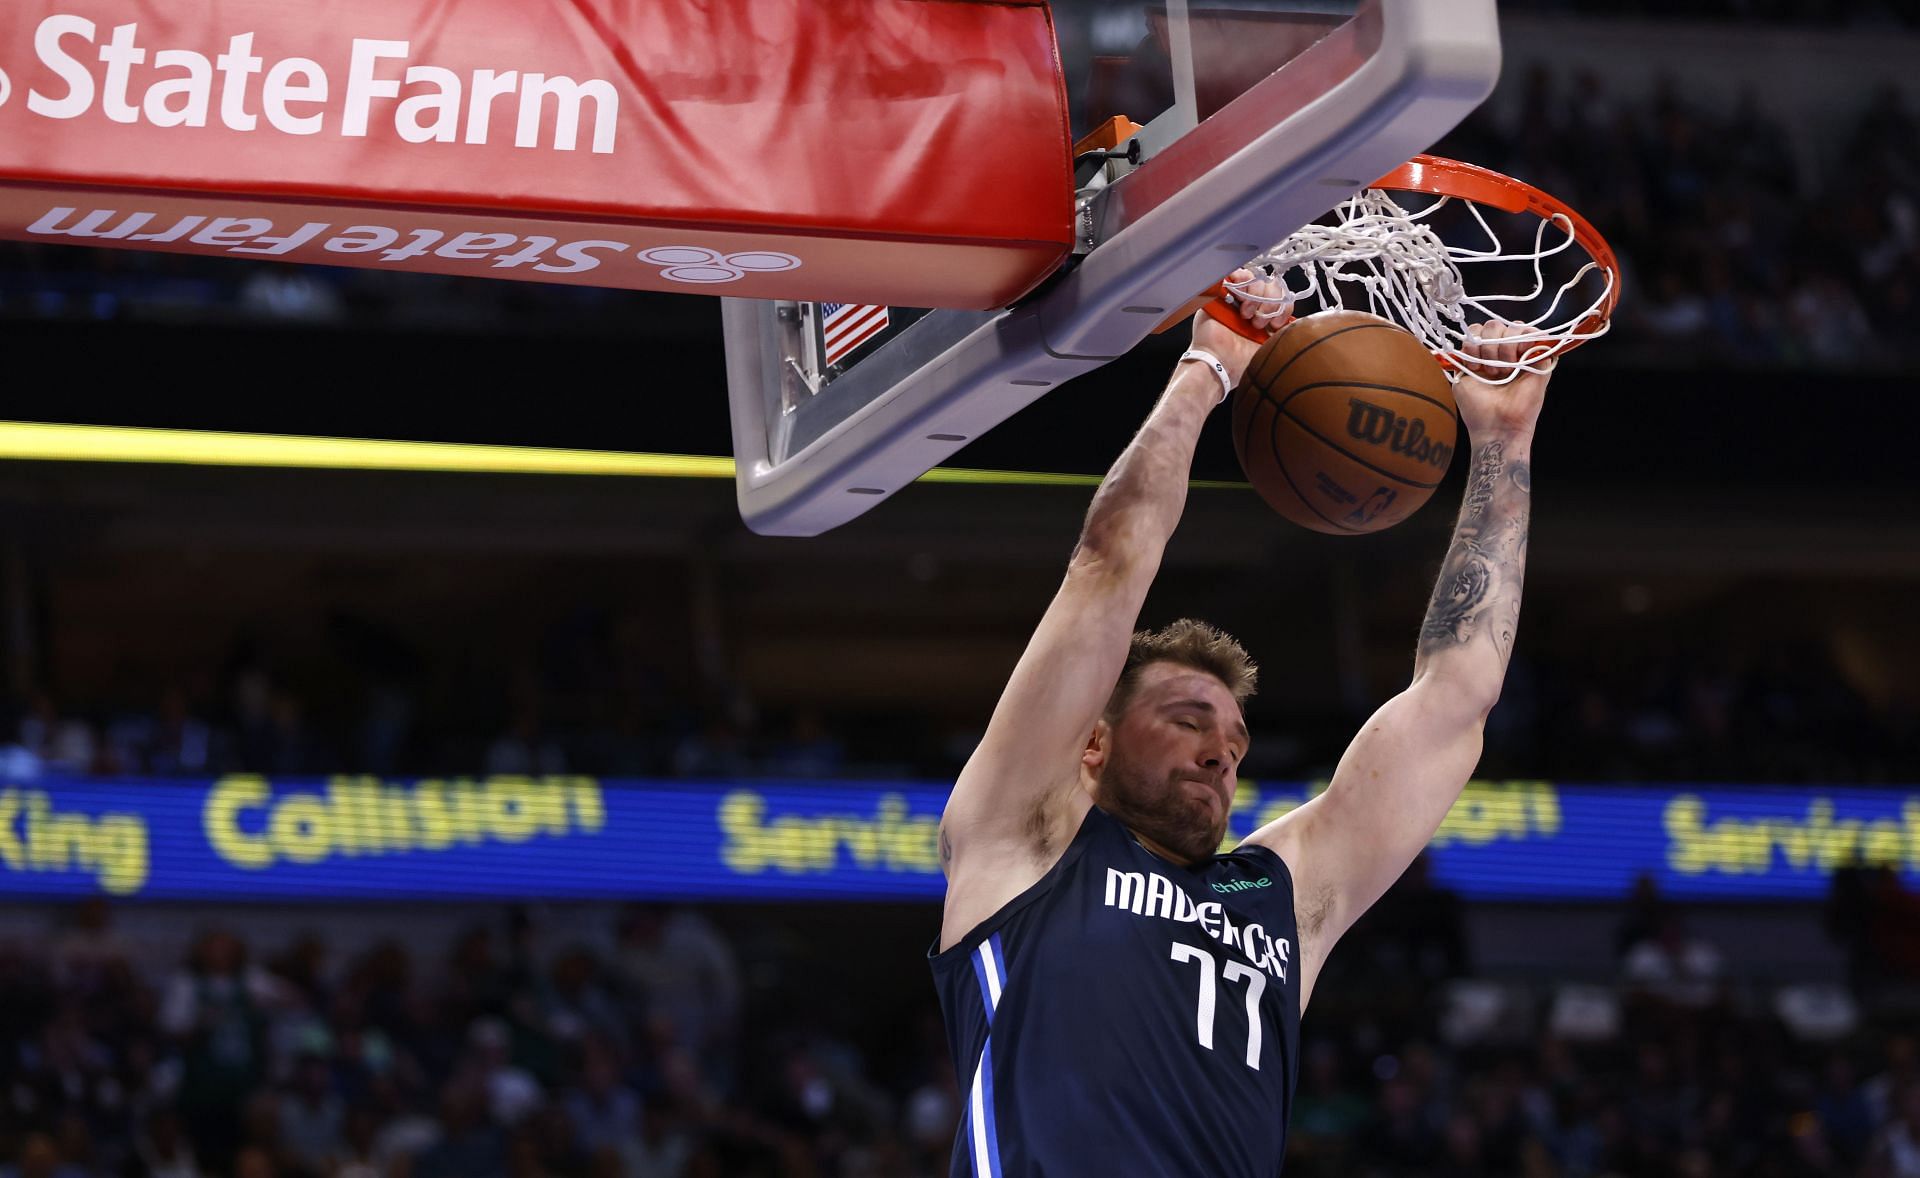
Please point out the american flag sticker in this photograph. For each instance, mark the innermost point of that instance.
(846, 326)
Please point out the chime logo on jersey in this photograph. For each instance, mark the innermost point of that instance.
(1148, 893)
(1241, 885)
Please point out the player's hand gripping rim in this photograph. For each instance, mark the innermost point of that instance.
(1264, 310)
(1492, 400)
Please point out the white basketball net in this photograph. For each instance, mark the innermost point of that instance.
(1411, 276)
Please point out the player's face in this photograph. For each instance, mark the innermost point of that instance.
(1173, 759)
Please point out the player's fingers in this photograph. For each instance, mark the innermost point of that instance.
(1230, 292)
(1509, 351)
(1476, 342)
(1469, 342)
(1274, 305)
(1265, 304)
(1523, 342)
(1482, 344)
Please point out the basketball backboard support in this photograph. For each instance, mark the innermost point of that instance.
(1264, 116)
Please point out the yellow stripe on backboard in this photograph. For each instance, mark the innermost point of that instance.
(43, 442)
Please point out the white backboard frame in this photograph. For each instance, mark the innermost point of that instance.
(1273, 159)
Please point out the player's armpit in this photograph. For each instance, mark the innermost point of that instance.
(1029, 759)
(1392, 789)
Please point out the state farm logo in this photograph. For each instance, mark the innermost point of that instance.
(250, 92)
(324, 241)
(694, 263)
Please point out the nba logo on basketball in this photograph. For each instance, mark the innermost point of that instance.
(1381, 499)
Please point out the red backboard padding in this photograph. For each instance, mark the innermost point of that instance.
(912, 152)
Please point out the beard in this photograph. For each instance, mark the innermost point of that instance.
(1161, 809)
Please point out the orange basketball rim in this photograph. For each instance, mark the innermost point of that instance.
(1424, 286)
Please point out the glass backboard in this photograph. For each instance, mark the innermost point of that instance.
(1238, 123)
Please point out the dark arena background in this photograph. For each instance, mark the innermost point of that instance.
(464, 825)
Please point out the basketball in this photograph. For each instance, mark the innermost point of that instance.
(1344, 422)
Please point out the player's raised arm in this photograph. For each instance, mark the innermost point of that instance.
(1405, 769)
(1003, 823)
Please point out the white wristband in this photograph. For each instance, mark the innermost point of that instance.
(1212, 361)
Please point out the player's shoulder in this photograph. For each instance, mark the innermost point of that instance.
(1258, 855)
(1254, 874)
(1284, 838)
(990, 880)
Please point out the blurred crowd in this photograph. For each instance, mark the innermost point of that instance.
(622, 1058)
(1731, 257)
(661, 1046)
(264, 725)
(1660, 704)
(1679, 1066)
(1697, 712)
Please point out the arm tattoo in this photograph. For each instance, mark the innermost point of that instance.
(1478, 591)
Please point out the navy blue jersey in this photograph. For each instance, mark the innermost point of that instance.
(1126, 1015)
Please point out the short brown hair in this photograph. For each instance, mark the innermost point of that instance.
(1187, 643)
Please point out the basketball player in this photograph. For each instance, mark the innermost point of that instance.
(1121, 999)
